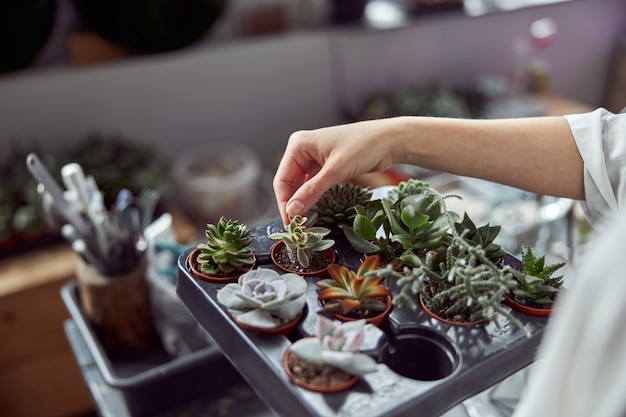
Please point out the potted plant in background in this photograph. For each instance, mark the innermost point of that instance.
(139, 27)
(265, 301)
(330, 361)
(302, 247)
(350, 296)
(225, 255)
(335, 209)
(537, 288)
(25, 27)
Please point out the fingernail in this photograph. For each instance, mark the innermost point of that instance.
(295, 207)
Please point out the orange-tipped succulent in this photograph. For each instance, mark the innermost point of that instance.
(348, 292)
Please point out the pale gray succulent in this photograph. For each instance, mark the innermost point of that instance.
(263, 298)
(336, 344)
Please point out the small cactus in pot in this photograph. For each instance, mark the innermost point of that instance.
(227, 251)
(263, 299)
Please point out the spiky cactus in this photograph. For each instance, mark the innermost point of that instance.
(227, 250)
(335, 208)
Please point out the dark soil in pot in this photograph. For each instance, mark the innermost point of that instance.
(317, 377)
(319, 261)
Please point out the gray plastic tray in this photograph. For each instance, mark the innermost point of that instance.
(425, 366)
(157, 380)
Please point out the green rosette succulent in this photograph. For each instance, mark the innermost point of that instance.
(335, 208)
(227, 250)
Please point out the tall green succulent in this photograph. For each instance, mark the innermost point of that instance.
(413, 217)
(335, 208)
(227, 250)
(419, 221)
(537, 287)
(302, 238)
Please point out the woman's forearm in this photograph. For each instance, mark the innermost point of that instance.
(535, 154)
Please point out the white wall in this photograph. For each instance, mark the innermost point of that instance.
(258, 92)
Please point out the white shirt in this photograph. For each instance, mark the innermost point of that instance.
(581, 368)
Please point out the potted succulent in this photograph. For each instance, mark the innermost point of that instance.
(302, 248)
(350, 295)
(264, 301)
(466, 289)
(410, 221)
(225, 255)
(335, 209)
(330, 361)
(537, 288)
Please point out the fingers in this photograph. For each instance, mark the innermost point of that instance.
(294, 168)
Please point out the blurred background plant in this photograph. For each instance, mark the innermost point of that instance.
(25, 26)
(149, 26)
(115, 162)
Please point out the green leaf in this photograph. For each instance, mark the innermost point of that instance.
(412, 218)
(364, 228)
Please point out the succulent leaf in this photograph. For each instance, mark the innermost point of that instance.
(352, 288)
(336, 344)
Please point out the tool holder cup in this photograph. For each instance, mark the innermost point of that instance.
(119, 309)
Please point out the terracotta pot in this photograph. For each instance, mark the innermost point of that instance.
(437, 317)
(195, 270)
(330, 255)
(375, 320)
(285, 329)
(317, 388)
(531, 311)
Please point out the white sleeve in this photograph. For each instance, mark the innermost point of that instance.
(601, 139)
(581, 371)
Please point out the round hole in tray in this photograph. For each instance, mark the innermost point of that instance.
(420, 353)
